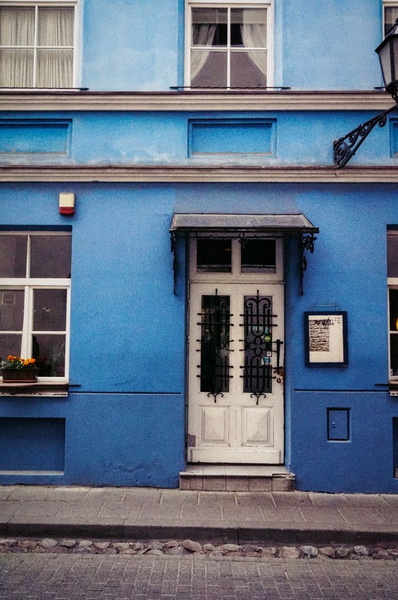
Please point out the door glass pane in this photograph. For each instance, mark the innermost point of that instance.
(258, 256)
(49, 352)
(11, 310)
(214, 256)
(214, 349)
(13, 255)
(49, 310)
(257, 369)
(10, 343)
(50, 256)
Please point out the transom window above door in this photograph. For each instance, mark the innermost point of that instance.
(37, 44)
(230, 258)
(228, 45)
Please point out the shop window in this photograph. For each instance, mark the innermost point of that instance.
(34, 299)
(228, 44)
(37, 44)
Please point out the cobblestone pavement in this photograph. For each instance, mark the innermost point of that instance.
(83, 577)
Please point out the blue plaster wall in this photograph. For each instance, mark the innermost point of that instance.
(135, 45)
(296, 138)
(128, 428)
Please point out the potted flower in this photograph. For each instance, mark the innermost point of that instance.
(19, 370)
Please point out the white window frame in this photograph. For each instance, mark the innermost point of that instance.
(387, 4)
(76, 5)
(236, 275)
(267, 4)
(28, 285)
(392, 284)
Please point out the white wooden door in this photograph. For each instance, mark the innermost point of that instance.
(235, 405)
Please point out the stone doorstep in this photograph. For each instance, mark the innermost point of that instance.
(200, 480)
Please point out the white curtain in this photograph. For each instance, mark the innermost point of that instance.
(202, 35)
(17, 29)
(55, 66)
(254, 35)
(54, 60)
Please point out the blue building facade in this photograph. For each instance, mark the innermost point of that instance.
(198, 283)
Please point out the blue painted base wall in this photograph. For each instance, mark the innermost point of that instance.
(364, 463)
(119, 439)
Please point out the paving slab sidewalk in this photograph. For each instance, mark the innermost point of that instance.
(236, 517)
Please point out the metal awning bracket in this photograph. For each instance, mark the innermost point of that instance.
(307, 242)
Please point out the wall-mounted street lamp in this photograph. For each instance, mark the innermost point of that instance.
(345, 147)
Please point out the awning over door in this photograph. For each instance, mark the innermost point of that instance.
(218, 223)
(241, 225)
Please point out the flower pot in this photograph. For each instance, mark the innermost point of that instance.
(19, 375)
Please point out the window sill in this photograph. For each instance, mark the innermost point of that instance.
(54, 389)
(393, 388)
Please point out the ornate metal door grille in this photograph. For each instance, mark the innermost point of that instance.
(258, 340)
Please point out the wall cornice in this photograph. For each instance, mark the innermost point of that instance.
(188, 174)
(193, 101)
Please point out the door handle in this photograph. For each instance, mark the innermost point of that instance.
(279, 368)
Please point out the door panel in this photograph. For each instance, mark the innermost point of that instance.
(235, 411)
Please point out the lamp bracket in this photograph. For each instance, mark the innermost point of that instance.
(345, 147)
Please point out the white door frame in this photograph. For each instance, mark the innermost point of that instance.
(236, 426)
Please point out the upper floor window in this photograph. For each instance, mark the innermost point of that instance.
(228, 44)
(37, 44)
(35, 299)
(390, 15)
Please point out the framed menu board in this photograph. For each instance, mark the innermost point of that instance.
(326, 338)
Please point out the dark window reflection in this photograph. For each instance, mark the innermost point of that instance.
(10, 343)
(49, 310)
(258, 256)
(50, 256)
(11, 310)
(49, 352)
(13, 250)
(214, 255)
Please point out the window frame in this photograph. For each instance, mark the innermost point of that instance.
(392, 284)
(387, 4)
(236, 274)
(266, 4)
(29, 285)
(76, 5)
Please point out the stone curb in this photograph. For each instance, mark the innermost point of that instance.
(228, 533)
